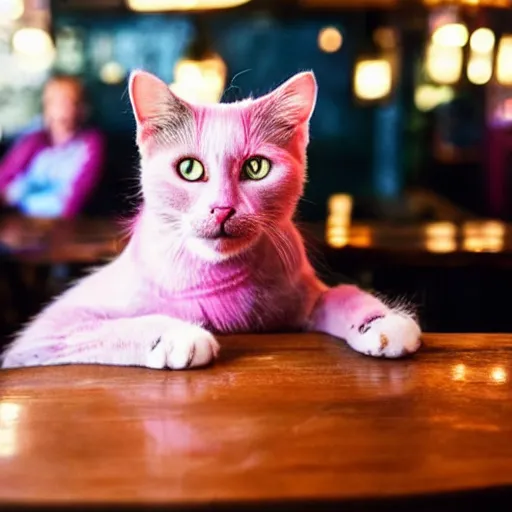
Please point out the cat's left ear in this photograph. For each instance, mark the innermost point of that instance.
(295, 99)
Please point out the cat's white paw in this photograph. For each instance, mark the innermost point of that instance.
(394, 335)
(186, 346)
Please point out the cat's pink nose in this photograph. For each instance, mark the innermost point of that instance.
(222, 213)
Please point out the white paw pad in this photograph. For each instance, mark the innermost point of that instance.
(394, 335)
(181, 348)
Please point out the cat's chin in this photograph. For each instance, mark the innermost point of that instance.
(217, 249)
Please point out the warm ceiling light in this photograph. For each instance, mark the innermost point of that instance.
(12, 9)
(200, 81)
(451, 34)
(373, 79)
(32, 42)
(385, 37)
(480, 68)
(428, 97)
(441, 237)
(490, 228)
(330, 39)
(340, 208)
(482, 244)
(444, 63)
(482, 40)
(112, 73)
(34, 48)
(441, 245)
(504, 61)
(181, 5)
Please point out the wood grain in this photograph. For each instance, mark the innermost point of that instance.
(279, 418)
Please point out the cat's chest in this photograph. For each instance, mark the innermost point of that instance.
(239, 305)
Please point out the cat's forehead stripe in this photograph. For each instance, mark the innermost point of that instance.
(245, 123)
(221, 131)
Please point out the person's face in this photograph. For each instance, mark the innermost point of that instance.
(62, 106)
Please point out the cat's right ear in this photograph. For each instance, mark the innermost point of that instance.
(148, 95)
(158, 111)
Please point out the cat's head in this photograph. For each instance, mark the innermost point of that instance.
(222, 175)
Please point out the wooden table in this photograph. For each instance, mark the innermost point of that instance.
(281, 421)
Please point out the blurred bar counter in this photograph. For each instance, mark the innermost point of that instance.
(456, 275)
(435, 243)
(42, 241)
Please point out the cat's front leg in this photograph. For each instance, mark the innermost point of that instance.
(365, 322)
(153, 341)
(188, 346)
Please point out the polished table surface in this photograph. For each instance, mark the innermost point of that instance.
(279, 419)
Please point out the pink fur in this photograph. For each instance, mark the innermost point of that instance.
(176, 284)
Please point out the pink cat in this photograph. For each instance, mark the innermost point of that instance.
(214, 248)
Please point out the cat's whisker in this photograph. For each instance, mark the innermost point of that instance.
(287, 251)
(281, 244)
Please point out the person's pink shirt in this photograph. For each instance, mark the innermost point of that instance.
(84, 178)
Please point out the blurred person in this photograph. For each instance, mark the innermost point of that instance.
(52, 172)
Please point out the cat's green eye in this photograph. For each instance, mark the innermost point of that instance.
(191, 169)
(256, 168)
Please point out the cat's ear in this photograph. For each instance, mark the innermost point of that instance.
(148, 95)
(295, 99)
(156, 108)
